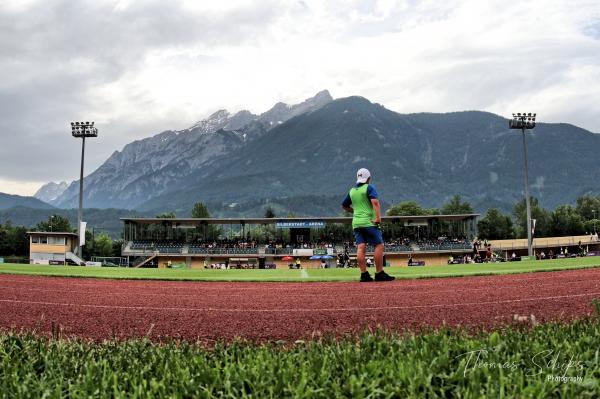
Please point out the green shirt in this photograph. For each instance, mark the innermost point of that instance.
(364, 214)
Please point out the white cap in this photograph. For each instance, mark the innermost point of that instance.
(362, 175)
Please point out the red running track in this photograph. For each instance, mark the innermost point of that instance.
(209, 311)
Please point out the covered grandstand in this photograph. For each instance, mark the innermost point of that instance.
(279, 242)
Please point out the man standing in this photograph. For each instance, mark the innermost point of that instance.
(364, 205)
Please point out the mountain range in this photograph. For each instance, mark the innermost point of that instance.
(10, 201)
(312, 150)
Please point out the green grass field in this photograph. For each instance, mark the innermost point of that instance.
(300, 275)
(512, 363)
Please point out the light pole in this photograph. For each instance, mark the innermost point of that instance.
(524, 121)
(594, 214)
(82, 130)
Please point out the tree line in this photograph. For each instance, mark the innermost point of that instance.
(579, 219)
(565, 220)
(15, 242)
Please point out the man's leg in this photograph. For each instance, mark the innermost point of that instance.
(380, 275)
(379, 258)
(360, 257)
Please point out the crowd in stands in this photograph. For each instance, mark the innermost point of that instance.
(280, 247)
(443, 243)
(226, 246)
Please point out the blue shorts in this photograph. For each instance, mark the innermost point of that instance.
(368, 235)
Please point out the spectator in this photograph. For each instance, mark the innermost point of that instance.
(475, 247)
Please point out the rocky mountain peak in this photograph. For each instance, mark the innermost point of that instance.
(147, 167)
(50, 191)
(214, 122)
(323, 96)
(282, 112)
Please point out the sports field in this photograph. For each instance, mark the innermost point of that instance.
(282, 275)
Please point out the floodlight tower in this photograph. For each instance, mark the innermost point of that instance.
(82, 130)
(524, 121)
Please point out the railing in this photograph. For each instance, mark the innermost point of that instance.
(406, 248)
(444, 247)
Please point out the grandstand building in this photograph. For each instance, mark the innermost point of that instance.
(281, 242)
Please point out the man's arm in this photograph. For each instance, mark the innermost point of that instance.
(347, 204)
(377, 208)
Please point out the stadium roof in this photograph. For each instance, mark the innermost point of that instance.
(52, 233)
(338, 219)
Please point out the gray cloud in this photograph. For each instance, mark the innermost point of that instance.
(54, 53)
(141, 67)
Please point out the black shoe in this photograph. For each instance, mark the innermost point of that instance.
(365, 277)
(383, 276)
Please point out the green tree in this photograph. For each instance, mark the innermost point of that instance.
(13, 240)
(456, 207)
(269, 213)
(5, 247)
(19, 240)
(55, 223)
(566, 221)
(588, 207)
(167, 215)
(495, 226)
(205, 232)
(541, 215)
(102, 245)
(406, 208)
(591, 226)
(88, 249)
(200, 211)
(116, 247)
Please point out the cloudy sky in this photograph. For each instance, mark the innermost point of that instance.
(140, 67)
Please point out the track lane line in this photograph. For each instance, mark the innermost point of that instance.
(298, 310)
(203, 294)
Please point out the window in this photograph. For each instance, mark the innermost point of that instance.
(56, 240)
(43, 239)
(35, 239)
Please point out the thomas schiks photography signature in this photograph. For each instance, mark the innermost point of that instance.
(555, 365)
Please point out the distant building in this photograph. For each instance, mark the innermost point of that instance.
(53, 248)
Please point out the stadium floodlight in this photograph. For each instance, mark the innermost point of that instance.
(82, 130)
(523, 121)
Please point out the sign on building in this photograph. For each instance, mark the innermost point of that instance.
(300, 224)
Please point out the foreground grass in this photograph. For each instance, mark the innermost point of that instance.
(299, 275)
(510, 363)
